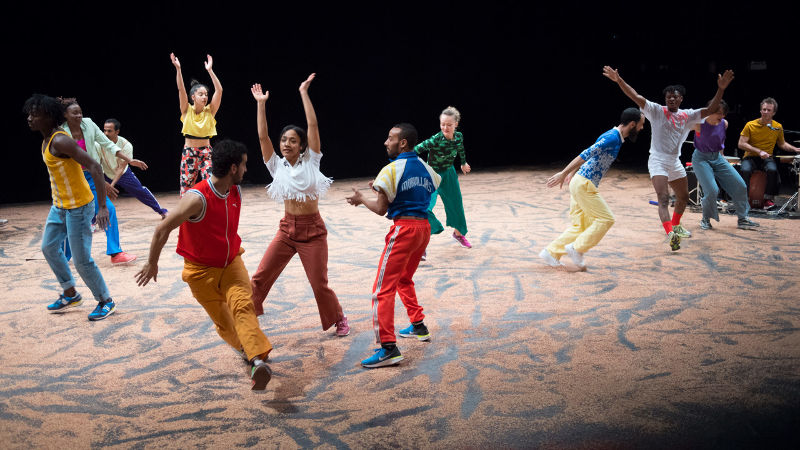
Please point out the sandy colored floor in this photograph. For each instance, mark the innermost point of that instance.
(649, 347)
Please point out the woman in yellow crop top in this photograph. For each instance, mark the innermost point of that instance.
(199, 125)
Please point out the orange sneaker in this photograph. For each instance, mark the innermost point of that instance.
(122, 258)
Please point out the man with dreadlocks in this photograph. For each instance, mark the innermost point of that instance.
(72, 210)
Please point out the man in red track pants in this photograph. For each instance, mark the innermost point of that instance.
(403, 191)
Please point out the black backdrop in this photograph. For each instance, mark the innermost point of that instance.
(526, 78)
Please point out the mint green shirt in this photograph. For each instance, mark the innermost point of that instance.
(93, 134)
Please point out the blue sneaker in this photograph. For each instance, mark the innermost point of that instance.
(419, 331)
(64, 303)
(103, 310)
(383, 357)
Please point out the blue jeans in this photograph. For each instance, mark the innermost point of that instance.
(74, 224)
(707, 166)
(752, 163)
(112, 230)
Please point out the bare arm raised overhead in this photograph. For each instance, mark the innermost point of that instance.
(722, 83)
(311, 115)
(267, 150)
(183, 99)
(613, 75)
(216, 99)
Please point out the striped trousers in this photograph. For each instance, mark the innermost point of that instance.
(405, 243)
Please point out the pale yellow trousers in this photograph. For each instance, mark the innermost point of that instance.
(589, 215)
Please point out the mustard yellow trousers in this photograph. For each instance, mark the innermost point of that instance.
(225, 294)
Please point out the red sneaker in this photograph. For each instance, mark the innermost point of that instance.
(769, 204)
(122, 258)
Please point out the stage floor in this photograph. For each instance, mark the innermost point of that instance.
(699, 347)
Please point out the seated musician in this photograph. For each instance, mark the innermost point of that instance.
(758, 140)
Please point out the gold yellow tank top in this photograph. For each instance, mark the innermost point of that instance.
(200, 125)
(68, 186)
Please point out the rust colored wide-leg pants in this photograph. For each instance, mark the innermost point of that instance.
(307, 236)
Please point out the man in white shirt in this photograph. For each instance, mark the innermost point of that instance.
(670, 125)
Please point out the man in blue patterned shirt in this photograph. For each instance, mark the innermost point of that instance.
(588, 212)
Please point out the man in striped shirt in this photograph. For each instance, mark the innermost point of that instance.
(72, 210)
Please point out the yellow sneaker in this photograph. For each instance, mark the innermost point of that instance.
(682, 232)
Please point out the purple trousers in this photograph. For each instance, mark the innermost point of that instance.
(132, 186)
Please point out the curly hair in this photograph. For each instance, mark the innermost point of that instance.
(226, 153)
(674, 88)
(68, 101)
(50, 107)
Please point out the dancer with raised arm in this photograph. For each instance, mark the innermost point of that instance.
(442, 149)
(591, 218)
(208, 217)
(709, 166)
(670, 126)
(299, 184)
(199, 124)
(86, 133)
(403, 191)
(72, 210)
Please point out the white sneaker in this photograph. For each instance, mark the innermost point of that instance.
(575, 256)
(549, 259)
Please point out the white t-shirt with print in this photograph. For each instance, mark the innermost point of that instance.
(669, 130)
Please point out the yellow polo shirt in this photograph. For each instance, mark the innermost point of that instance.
(763, 137)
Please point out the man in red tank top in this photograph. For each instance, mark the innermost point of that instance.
(208, 240)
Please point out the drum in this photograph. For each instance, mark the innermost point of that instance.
(788, 159)
(733, 159)
(758, 184)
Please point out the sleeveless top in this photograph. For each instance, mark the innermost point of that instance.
(212, 238)
(710, 138)
(82, 144)
(68, 186)
(202, 125)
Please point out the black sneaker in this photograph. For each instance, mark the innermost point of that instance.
(419, 331)
(747, 224)
(260, 373)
